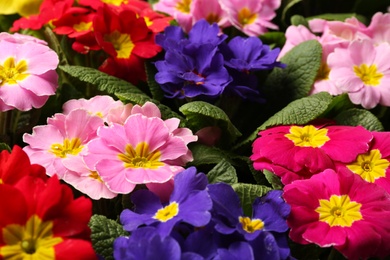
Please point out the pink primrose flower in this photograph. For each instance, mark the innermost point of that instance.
(379, 28)
(85, 179)
(374, 165)
(363, 71)
(211, 11)
(251, 17)
(64, 136)
(27, 73)
(295, 152)
(98, 105)
(340, 210)
(143, 150)
(180, 10)
(20, 38)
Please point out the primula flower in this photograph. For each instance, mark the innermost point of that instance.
(307, 150)
(15, 165)
(211, 11)
(189, 203)
(264, 230)
(65, 136)
(85, 179)
(379, 28)
(251, 17)
(340, 210)
(41, 220)
(146, 243)
(374, 165)
(27, 74)
(363, 72)
(194, 66)
(180, 10)
(143, 150)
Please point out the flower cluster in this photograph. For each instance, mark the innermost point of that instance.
(336, 181)
(203, 65)
(39, 218)
(203, 221)
(103, 147)
(354, 58)
(124, 31)
(251, 17)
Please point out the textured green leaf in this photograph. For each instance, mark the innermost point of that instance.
(299, 20)
(140, 99)
(154, 87)
(273, 180)
(299, 112)
(104, 232)
(295, 81)
(223, 172)
(248, 193)
(101, 80)
(204, 154)
(339, 17)
(356, 116)
(200, 114)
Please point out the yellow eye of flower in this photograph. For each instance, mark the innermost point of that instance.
(251, 225)
(368, 74)
(140, 157)
(308, 136)
(11, 73)
(168, 212)
(370, 166)
(72, 146)
(122, 44)
(339, 211)
(245, 16)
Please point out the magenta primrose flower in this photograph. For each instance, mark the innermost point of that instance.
(340, 210)
(306, 150)
(27, 73)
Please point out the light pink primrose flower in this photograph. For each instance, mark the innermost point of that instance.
(251, 17)
(141, 151)
(27, 73)
(363, 71)
(374, 165)
(340, 210)
(379, 28)
(180, 10)
(298, 152)
(211, 11)
(20, 38)
(101, 106)
(85, 179)
(64, 137)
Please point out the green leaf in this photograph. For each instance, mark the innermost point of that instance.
(154, 87)
(4, 146)
(339, 104)
(299, 20)
(356, 116)
(104, 232)
(295, 81)
(338, 17)
(277, 39)
(298, 112)
(101, 80)
(223, 172)
(204, 155)
(248, 193)
(200, 114)
(273, 180)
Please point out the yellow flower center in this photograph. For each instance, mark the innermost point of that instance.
(245, 16)
(370, 166)
(115, 2)
(308, 136)
(95, 175)
(184, 6)
(122, 44)
(11, 73)
(323, 72)
(168, 212)
(148, 22)
(82, 26)
(339, 211)
(368, 74)
(72, 146)
(140, 157)
(33, 241)
(251, 225)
